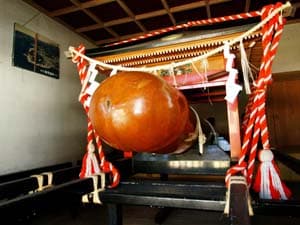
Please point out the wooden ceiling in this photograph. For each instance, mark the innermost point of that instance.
(107, 21)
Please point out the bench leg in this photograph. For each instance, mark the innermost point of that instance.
(115, 216)
(239, 210)
(162, 215)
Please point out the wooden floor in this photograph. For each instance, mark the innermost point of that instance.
(139, 215)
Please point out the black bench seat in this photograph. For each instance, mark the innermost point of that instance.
(27, 173)
(192, 195)
(19, 200)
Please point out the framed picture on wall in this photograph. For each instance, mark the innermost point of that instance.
(34, 52)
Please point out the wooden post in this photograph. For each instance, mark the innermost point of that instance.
(239, 205)
(114, 214)
(234, 129)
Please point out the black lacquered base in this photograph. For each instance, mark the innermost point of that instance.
(214, 161)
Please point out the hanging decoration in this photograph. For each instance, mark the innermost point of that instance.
(268, 182)
(90, 164)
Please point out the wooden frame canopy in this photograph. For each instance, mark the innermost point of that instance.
(168, 53)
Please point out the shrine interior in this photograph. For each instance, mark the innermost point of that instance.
(150, 112)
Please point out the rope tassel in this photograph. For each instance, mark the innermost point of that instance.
(268, 182)
(90, 164)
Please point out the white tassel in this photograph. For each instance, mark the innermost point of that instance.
(91, 161)
(266, 157)
(245, 68)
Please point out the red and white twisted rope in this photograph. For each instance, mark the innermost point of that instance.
(247, 112)
(90, 164)
(224, 18)
(271, 35)
(271, 186)
(190, 24)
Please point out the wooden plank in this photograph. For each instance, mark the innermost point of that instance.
(64, 195)
(18, 187)
(214, 161)
(15, 188)
(26, 173)
(239, 211)
(234, 129)
(283, 111)
(191, 195)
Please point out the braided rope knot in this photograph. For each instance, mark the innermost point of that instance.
(255, 128)
(265, 155)
(90, 148)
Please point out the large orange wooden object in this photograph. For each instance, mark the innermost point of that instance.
(191, 77)
(137, 111)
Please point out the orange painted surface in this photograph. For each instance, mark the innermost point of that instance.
(234, 129)
(137, 111)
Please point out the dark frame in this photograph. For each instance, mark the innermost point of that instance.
(35, 52)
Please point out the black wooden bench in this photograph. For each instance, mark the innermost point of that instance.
(20, 202)
(202, 195)
(26, 173)
(167, 189)
(202, 189)
(166, 194)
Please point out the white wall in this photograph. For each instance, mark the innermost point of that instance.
(41, 120)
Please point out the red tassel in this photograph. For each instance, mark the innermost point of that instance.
(83, 166)
(268, 182)
(90, 163)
